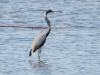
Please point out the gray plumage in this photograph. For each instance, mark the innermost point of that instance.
(40, 39)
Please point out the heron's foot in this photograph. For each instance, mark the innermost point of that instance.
(39, 60)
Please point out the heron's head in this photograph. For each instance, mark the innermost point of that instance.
(48, 11)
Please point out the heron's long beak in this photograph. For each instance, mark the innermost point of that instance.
(56, 11)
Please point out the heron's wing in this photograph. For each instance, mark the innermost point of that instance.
(39, 40)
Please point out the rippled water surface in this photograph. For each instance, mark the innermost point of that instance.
(71, 51)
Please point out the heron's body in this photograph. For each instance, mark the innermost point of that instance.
(40, 39)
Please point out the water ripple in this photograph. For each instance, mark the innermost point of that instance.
(71, 51)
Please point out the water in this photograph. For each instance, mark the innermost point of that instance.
(72, 51)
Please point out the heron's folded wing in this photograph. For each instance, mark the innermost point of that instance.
(39, 40)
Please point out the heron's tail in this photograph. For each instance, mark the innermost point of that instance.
(31, 52)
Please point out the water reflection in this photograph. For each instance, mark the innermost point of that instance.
(41, 67)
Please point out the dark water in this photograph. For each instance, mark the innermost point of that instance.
(72, 51)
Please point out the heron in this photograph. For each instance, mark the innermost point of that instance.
(40, 39)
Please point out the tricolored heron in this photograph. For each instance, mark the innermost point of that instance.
(41, 37)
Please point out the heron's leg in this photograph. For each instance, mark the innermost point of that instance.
(39, 56)
(39, 52)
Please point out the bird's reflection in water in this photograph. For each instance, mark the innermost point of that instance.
(41, 67)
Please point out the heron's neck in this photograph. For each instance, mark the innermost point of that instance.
(48, 23)
(47, 20)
